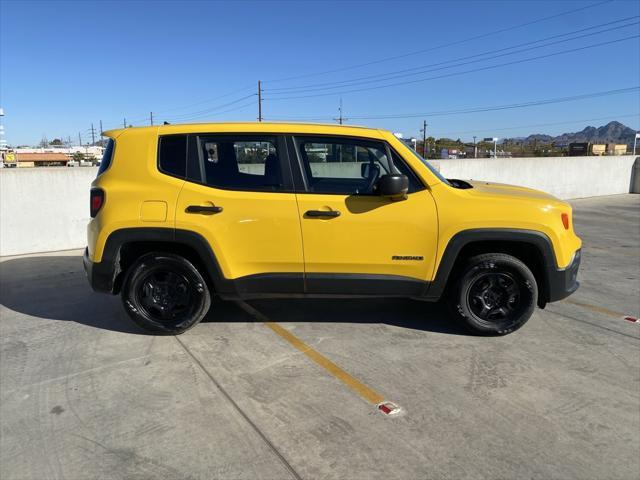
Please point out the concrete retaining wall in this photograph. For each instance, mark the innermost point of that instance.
(44, 209)
(563, 177)
(47, 209)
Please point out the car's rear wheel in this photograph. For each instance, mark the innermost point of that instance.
(164, 293)
(495, 294)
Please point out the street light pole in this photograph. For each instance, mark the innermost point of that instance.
(635, 140)
(495, 145)
(475, 148)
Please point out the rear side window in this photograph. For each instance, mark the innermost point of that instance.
(237, 163)
(107, 156)
(172, 155)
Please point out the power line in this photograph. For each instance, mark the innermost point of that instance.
(421, 69)
(205, 101)
(240, 107)
(490, 129)
(187, 116)
(479, 69)
(144, 119)
(210, 110)
(532, 103)
(444, 45)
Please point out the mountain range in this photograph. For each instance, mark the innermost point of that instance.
(612, 132)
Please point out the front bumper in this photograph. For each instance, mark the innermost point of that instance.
(100, 275)
(562, 283)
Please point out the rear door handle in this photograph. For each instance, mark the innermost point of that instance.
(322, 213)
(203, 209)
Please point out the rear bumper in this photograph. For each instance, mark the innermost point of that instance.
(100, 275)
(563, 283)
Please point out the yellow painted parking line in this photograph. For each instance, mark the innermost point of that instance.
(597, 309)
(354, 384)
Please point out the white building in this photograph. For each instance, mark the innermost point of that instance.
(94, 152)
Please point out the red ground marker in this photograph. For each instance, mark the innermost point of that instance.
(389, 408)
(631, 319)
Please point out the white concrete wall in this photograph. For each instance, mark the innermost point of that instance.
(44, 209)
(563, 177)
(47, 209)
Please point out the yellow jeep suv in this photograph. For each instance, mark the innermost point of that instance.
(252, 210)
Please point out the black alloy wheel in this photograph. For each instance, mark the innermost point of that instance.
(494, 294)
(165, 293)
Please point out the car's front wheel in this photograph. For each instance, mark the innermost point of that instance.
(164, 293)
(495, 294)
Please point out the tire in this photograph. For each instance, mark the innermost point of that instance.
(495, 294)
(165, 294)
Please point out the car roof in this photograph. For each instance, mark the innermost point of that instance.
(256, 127)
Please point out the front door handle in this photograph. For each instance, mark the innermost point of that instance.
(322, 213)
(210, 209)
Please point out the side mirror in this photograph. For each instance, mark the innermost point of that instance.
(394, 186)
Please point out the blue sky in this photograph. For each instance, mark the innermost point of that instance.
(64, 65)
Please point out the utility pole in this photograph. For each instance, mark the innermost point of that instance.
(101, 137)
(340, 118)
(424, 139)
(151, 117)
(475, 148)
(259, 101)
(124, 122)
(93, 135)
(79, 139)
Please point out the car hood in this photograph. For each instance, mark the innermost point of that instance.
(504, 190)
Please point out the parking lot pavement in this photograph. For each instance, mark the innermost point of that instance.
(85, 394)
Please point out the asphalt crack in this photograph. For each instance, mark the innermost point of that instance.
(242, 413)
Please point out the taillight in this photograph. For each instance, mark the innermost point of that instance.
(96, 201)
(565, 220)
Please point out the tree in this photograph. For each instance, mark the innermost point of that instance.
(78, 157)
(55, 141)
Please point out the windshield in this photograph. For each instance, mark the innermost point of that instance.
(429, 166)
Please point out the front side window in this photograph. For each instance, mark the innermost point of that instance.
(247, 163)
(348, 166)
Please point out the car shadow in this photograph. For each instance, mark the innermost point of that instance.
(54, 287)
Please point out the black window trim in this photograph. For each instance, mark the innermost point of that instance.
(303, 187)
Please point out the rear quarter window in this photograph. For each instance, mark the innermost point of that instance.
(107, 156)
(172, 155)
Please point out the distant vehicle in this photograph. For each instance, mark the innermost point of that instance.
(180, 213)
(616, 149)
(582, 149)
(81, 163)
(579, 149)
